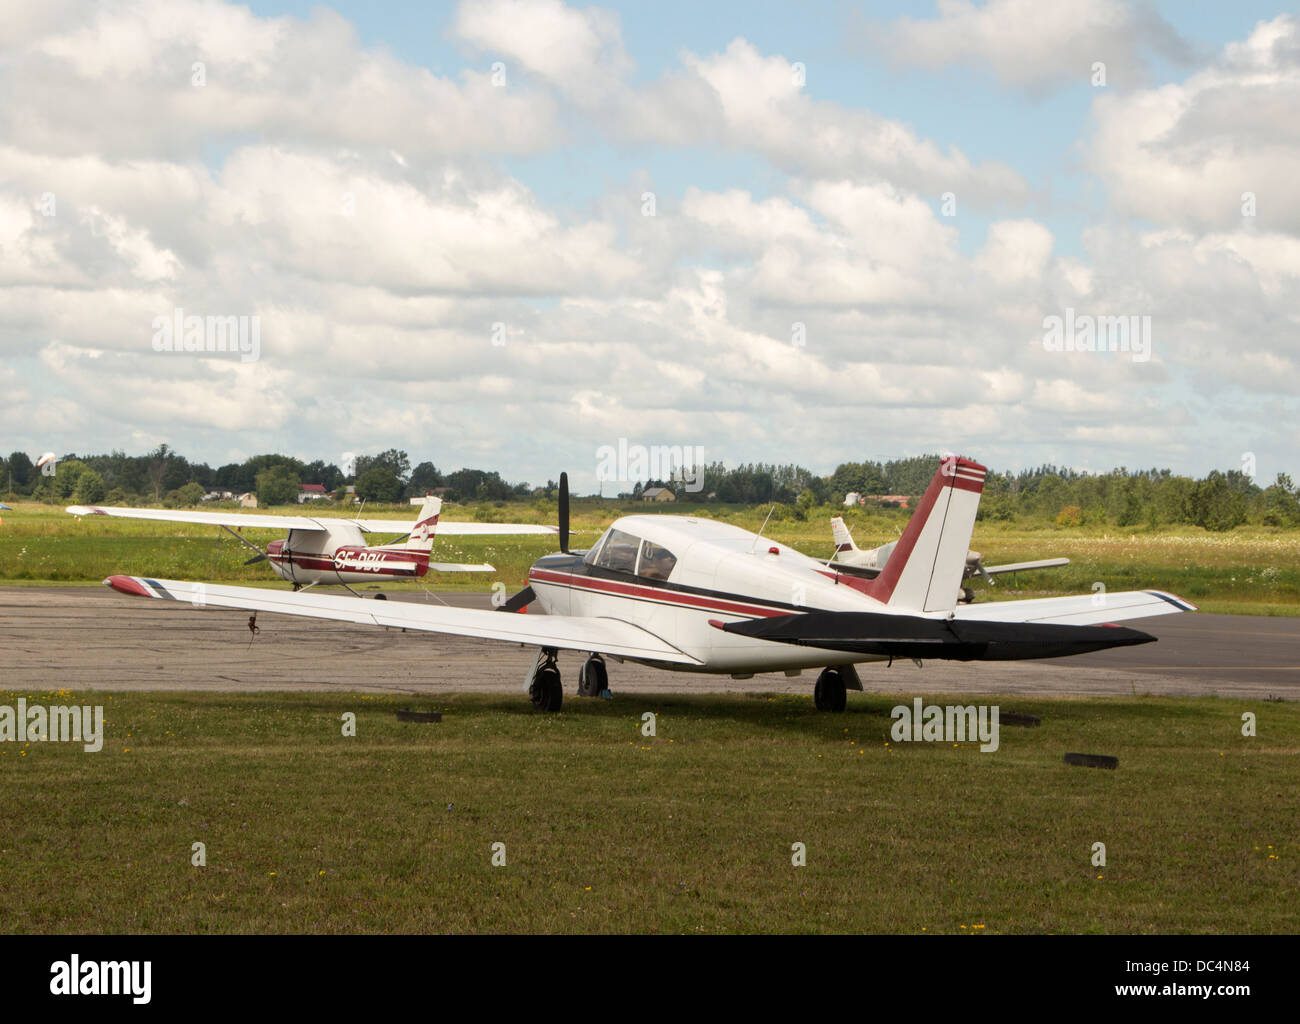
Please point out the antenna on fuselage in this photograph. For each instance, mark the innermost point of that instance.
(759, 536)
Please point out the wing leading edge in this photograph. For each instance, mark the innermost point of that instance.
(598, 635)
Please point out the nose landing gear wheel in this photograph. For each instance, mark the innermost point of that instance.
(828, 694)
(547, 692)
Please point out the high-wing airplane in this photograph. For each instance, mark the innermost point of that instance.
(696, 595)
(334, 551)
(872, 560)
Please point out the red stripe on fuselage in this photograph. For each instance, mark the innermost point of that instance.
(662, 595)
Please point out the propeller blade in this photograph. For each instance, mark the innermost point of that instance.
(522, 599)
(564, 513)
(256, 558)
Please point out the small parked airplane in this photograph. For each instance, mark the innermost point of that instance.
(696, 595)
(333, 551)
(872, 560)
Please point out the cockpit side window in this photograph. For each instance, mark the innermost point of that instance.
(655, 563)
(619, 552)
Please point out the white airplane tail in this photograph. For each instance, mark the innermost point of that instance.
(426, 523)
(925, 569)
(843, 539)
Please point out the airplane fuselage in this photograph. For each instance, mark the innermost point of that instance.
(339, 554)
(720, 573)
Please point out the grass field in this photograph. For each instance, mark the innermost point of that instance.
(606, 830)
(1255, 571)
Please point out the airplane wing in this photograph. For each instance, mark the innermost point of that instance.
(254, 520)
(1042, 563)
(270, 522)
(567, 632)
(1077, 610)
(445, 528)
(1002, 631)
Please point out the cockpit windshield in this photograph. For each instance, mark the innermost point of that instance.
(620, 551)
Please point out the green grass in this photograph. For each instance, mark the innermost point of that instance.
(1248, 570)
(609, 831)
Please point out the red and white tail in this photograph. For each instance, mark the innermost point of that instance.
(843, 539)
(925, 569)
(421, 538)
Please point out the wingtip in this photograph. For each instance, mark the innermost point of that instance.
(127, 585)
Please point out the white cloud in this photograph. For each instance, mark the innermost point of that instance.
(1028, 44)
(1185, 154)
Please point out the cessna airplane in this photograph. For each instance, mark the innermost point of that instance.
(333, 551)
(872, 560)
(695, 595)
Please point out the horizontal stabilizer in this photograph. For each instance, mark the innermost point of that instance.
(1042, 563)
(910, 636)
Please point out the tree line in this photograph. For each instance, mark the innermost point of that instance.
(1059, 495)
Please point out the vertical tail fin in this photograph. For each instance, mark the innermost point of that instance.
(421, 538)
(843, 539)
(925, 569)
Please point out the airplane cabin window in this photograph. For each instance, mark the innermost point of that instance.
(594, 553)
(656, 563)
(619, 552)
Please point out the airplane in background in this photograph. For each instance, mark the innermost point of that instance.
(696, 595)
(334, 551)
(872, 561)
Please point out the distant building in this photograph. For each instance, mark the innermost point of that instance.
(312, 492)
(901, 500)
(248, 500)
(852, 498)
(658, 494)
(219, 494)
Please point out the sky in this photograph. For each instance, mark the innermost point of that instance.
(510, 234)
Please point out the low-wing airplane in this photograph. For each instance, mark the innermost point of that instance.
(334, 551)
(696, 595)
(872, 560)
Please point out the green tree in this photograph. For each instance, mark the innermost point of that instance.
(424, 478)
(1215, 505)
(90, 488)
(379, 483)
(277, 485)
(397, 463)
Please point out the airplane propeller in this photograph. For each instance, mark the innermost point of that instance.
(256, 558)
(564, 513)
(527, 596)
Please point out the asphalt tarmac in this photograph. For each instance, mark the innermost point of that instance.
(93, 638)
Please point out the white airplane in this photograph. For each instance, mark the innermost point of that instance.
(872, 560)
(695, 595)
(334, 551)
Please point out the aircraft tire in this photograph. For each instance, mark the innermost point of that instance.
(828, 693)
(593, 679)
(547, 691)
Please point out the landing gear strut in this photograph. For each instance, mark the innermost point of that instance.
(546, 690)
(828, 694)
(593, 678)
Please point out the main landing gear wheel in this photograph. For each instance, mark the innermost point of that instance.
(828, 694)
(547, 692)
(593, 677)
